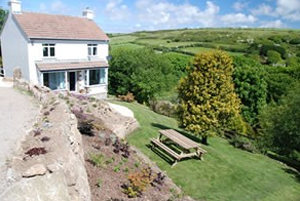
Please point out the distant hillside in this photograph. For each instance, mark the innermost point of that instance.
(253, 43)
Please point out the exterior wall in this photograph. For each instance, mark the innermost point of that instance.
(67, 50)
(103, 50)
(14, 49)
(64, 50)
(99, 91)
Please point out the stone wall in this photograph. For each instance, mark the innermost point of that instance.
(58, 174)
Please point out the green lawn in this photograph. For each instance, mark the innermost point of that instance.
(226, 174)
(122, 39)
(153, 41)
(128, 45)
(196, 50)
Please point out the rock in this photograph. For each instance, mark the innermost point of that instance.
(53, 167)
(12, 175)
(49, 187)
(47, 125)
(35, 170)
(72, 116)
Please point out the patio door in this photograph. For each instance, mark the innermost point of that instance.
(72, 81)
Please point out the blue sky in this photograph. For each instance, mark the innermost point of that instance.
(135, 15)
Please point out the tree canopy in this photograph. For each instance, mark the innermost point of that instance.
(281, 123)
(251, 87)
(140, 71)
(3, 14)
(208, 103)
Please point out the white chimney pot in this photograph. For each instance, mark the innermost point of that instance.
(15, 6)
(88, 13)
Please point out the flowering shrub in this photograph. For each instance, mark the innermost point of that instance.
(85, 125)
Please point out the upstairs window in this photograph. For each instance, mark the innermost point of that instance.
(49, 50)
(92, 49)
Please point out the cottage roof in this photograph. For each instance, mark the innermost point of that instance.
(48, 26)
(56, 66)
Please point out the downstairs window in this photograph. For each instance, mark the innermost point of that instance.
(55, 81)
(95, 77)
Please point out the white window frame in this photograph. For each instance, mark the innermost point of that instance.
(65, 79)
(87, 77)
(48, 47)
(92, 49)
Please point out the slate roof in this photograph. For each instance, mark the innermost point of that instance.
(48, 26)
(55, 66)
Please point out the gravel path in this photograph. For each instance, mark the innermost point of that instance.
(17, 113)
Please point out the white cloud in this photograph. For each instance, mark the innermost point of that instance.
(239, 6)
(264, 9)
(58, 6)
(289, 9)
(54, 7)
(157, 14)
(272, 24)
(115, 10)
(285, 9)
(42, 7)
(238, 19)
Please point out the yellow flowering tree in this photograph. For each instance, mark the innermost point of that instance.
(208, 104)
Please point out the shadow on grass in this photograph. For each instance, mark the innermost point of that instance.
(162, 154)
(285, 160)
(293, 172)
(186, 134)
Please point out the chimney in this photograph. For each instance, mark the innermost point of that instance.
(15, 6)
(88, 13)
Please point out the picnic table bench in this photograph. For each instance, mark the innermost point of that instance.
(189, 148)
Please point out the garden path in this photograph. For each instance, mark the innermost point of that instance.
(17, 113)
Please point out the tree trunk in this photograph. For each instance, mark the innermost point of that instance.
(205, 140)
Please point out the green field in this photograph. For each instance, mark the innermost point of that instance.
(122, 39)
(226, 174)
(234, 41)
(129, 45)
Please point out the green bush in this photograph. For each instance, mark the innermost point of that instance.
(97, 160)
(140, 71)
(251, 87)
(281, 124)
(164, 108)
(243, 143)
(295, 41)
(281, 50)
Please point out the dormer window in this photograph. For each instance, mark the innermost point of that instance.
(49, 50)
(92, 49)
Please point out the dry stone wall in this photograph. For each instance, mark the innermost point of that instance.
(50, 163)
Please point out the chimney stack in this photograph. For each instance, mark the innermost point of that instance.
(15, 6)
(88, 13)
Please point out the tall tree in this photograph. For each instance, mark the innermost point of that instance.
(273, 57)
(251, 87)
(281, 124)
(208, 103)
(140, 71)
(3, 14)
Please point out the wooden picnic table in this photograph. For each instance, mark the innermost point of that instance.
(189, 147)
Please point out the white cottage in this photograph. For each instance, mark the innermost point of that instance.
(57, 51)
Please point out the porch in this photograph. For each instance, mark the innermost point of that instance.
(75, 77)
